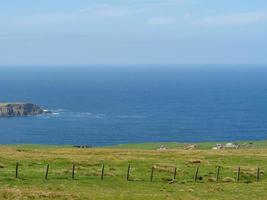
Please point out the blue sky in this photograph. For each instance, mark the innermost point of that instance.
(58, 32)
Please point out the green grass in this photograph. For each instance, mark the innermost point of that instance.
(87, 184)
(203, 145)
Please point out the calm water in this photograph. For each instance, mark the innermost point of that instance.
(109, 105)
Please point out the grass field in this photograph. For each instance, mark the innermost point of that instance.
(31, 183)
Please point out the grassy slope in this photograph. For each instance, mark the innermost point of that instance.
(87, 184)
(202, 146)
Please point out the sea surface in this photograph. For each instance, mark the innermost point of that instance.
(107, 105)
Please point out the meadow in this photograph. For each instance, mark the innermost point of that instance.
(86, 182)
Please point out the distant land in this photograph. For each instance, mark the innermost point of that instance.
(20, 109)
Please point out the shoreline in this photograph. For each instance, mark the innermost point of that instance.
(149, 145)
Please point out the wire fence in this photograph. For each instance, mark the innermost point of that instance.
(78, 171)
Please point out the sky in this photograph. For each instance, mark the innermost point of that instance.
(71, 32)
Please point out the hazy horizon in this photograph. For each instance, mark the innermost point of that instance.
(137, 67)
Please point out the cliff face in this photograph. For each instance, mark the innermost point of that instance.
(20, 109)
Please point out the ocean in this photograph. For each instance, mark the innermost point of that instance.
(108, 105)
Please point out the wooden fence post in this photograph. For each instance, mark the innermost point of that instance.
(17, 170)
(238, 174)
(46, 173)
(128, 172)
(102, 173)
(258, 174)
(196, 173)
(174, 173)
(73, 171)
(152, 174)
(218, 173)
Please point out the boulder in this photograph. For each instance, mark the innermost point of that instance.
(190, 147)
(232, 145)
(218, 147)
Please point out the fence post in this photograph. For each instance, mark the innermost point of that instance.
(238, 174)
(152, 174)
(174, 173)
(102, 173)
(73, 171)
(17, 170)
(46, 173)
(218, 173)
(196, 173)
(258, 174)
(128, 172)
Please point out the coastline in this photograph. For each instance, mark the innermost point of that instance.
(251, 144)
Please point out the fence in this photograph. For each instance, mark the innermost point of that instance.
(195, 177)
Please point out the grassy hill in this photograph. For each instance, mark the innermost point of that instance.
(87, 183)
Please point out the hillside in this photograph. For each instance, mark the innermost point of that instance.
(87, 184)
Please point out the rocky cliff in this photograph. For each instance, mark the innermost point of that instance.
(20, 109)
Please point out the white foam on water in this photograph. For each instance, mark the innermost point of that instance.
(74, 115)
(131, 116)
(55, 113)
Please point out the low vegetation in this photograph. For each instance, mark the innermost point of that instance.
(163, 157)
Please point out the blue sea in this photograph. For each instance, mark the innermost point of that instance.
(107, 105)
